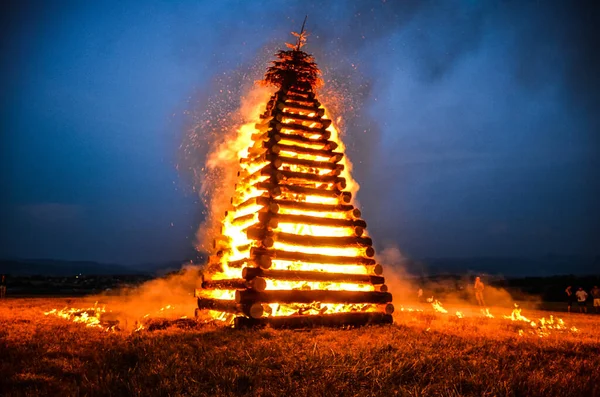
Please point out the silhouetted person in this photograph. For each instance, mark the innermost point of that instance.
(479, 291)
(420, 295)
(596, 296)
(3, 286)
(581, 300)
(570, 297)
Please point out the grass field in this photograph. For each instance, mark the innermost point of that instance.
(423, 353)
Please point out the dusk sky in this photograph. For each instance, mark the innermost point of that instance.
(473, 127)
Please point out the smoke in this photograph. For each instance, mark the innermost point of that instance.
(167, 297)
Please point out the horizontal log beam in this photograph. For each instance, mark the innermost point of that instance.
(277, 148)
(308, 108)
(305, 176)
(279, 116)
(254, 310)
(313, 220)
(354, 319)
(257, 283)
(299, 98)
(277, 126)
(312, 163)
(303, 296)
(301, 139)
(323, 241)
(250, 273)
(276, 190)
(301, 92)
(312, 258)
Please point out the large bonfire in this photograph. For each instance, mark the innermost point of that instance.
(293, 249)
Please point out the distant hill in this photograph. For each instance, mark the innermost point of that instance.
(543, 266)
(51, 267)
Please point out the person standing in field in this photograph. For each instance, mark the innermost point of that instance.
(570, 297)
(479, 291)
(581, 300)
(596, 296)
(2, 286)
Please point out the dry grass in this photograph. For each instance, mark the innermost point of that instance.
(422, 354)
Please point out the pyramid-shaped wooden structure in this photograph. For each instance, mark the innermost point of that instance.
(294, 250)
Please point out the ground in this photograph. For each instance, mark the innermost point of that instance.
(423, 353)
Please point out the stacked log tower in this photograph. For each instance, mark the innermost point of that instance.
(294, 251)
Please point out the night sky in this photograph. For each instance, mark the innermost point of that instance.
(473, 128)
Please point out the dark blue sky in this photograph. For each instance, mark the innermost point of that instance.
(473, 128)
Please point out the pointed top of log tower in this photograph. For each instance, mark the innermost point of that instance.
(294, 66)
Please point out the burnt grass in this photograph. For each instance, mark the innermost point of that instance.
(422, 354)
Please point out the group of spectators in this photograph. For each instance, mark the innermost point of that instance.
(581, 297)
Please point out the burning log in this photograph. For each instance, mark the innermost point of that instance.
(250, 273)
(257, 283)
(322, 241)
(277, 148)
(313, 220)
(291, 105)
(281, 116)
(325, 144)
(276, 191)
(299, 128)
(311, 258)
(253, 310)
(312, 163)
(303, 296)
(354, 319)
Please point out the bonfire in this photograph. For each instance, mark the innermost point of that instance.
(293, 249)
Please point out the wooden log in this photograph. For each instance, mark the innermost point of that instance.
(277, 148)
(354, 319)
(258, 201)
(294, 118)
(300, 92)
(344, 197)
(282, 175)
(316, 207)
(302, 139)
(313, 220)
(312, 258)
(304, 296)
(311, 163)
(254, 310)
(258, 284)
(258, 232)
(294, 105)
(323, 241)
(250, 273)
(280, 116)
(266, 171)
(240, 220)
(298, 98)
(299, 128)
(376, 269)
(237, 283)
(238, 263)
(262, 158)
(339, 182)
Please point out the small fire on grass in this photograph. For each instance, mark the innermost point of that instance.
(98, 317)
(541, 328)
